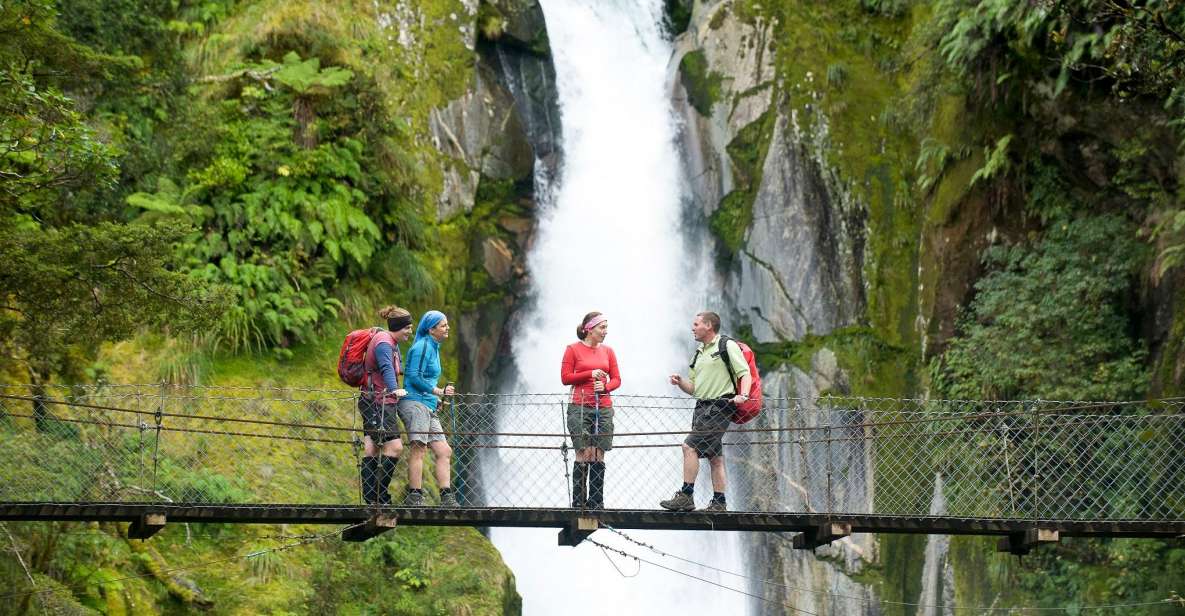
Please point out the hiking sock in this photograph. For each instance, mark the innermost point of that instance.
(579, 481)
(718, 497)
(688, 489)
(445, 490)
(368, 473)
(383, 480)
(416, 490)
(596, 485)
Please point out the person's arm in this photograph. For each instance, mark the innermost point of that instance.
(413, 379)
(685, 384)
(384, 357)
(614, 375)
(568, 373)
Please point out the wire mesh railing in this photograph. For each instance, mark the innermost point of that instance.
(1018, 460)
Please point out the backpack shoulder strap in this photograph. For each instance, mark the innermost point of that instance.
(723, 351)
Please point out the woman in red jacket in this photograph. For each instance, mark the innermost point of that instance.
(590, 368)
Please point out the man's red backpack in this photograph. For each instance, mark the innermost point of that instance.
(351, 362)
(748, 409)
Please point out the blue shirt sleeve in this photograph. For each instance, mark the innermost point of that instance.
(383, 356)
(413, 378)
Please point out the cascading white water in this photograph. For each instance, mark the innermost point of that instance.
(611, 241)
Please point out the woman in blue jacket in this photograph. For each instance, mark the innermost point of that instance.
(418, 411)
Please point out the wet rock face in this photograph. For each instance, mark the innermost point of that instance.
(481, 133)
(738, 70)
(509, 117)
(794, 275)
(796, 271)
(504, 129)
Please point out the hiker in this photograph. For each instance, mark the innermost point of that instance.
(418, 411)
(590, 367)
(378, 402)
(715, 395)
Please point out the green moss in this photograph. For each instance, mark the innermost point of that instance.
(734, 214)
(703, 85)
(1168, 376)
(678, 16)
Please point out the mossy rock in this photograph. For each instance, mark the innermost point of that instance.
(704, 86)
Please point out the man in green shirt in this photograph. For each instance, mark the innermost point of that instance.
(716, 394)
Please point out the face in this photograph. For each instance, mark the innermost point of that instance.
(701, 330)
(598, 333)
(402, 335)
(440, 331)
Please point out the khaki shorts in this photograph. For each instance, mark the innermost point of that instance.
(708, 423)
(590, 427)
(423, 426)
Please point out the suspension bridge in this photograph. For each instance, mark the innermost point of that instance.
(1028, 472)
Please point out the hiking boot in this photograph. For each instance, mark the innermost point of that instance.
(413, 499)
(715, 506)
(681, 501)
(449, 499)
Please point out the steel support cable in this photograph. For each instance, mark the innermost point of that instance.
(874, 424)
(985, 430)
(640, 560)
(867, 600)
(248, 555)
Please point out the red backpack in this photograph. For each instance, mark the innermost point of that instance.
(748, 409)
(351, 362)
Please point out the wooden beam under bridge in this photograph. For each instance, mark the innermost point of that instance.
(561, 518)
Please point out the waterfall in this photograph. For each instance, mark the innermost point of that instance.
(610, 239)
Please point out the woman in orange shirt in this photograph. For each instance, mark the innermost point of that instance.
(590, 367)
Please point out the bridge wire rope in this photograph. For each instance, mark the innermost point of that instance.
(873, 424)
(641, 560)
(249, 555)
(770, 582)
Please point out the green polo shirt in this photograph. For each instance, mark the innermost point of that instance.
(710, 375)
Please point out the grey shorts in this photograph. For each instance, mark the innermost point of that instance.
(708, 423)
(379, 421)
(590, 427)
(423, 426)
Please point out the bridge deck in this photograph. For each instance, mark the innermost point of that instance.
(562, 518)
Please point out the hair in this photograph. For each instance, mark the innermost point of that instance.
(392, 312)
(580, 333)
(712, 319)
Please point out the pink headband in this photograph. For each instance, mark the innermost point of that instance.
(595, 321)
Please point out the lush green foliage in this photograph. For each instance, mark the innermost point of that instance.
(1049, 319)
(75, 275)
(279, 200)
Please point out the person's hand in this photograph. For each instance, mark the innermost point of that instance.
(599, 374)
(739, 398)
(449, 390)
(401, 393)
(676, 380)
(598, 386)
